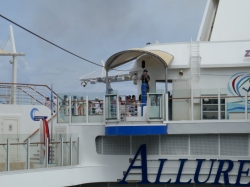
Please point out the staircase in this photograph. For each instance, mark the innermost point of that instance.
(195, 61)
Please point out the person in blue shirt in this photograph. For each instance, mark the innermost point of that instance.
(145, 78)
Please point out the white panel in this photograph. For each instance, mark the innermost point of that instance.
(116, 145)
(232, 21)
(151, 141)
(10, 130)
(206, 144)
(174, 145)
(234, 144)
(180, 107)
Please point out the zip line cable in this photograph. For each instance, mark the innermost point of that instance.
(50, 42)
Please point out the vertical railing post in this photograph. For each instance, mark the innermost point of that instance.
(104, 109)
(117, 108)
(78, 150)
(70, 157)
(8, 155)
(246, 106)
(47, 153)
(192, 104)
(70, 109)
(87, 109)
(28, 154)
(219, 105)
(166, 104)
(61, 151)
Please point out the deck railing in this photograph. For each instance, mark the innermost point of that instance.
(17, 154)
(220, 104)
(24, 94)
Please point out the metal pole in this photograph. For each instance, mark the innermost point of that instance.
(51, 107)
(107, 82)
(192, 104)
(8, 154)
(70, 151)
(28, 153)
(104, 109)
(219, 105)
(47, 153)
(246, 109)
(70, 109)
(78, 150)
(61, 151)
(87, 109)
(166, 80)
(166, 104)
(14, 66)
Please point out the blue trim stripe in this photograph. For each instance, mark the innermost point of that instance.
(136, 130)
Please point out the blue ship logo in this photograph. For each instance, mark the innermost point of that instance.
(34, 117)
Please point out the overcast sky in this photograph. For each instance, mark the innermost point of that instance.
(93, 29)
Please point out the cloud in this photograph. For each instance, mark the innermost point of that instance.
(93, 29)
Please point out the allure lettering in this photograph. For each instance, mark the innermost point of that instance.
(224, 167)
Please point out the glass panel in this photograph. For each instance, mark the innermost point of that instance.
(78, 108)
(96, 107)
(63, 108)
(110, 107)
(233, 104)
(156, 106)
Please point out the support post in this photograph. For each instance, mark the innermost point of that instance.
(52, 108)
(192, 104)
(61, 151)
(107, 82)
(104, 109)
(219, 105)
(8, 155)
(87, 109)
(47, 153)
(166, 104)
(246, 106)
(14, 67)
(166, 80)
(70, 157)
(78, 150)
(28, 153)
(70, 109)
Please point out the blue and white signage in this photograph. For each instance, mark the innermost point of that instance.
(34, 117)
(223, 170)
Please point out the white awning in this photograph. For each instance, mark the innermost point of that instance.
(131, 54)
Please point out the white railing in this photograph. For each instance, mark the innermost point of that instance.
(24, 94)
(18, 155)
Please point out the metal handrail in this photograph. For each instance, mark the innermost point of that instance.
(42, 85)
(23, 143)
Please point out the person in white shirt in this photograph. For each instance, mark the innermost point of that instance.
(47, 103)
(98, 109)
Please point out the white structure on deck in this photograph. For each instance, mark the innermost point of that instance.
(203, 123)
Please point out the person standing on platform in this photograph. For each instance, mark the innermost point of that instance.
(145, 78)
(47, 103)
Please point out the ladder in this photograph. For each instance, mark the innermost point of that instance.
(195, 61)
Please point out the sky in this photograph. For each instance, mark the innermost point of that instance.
(93, 29)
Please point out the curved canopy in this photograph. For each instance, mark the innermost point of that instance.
(131, 54)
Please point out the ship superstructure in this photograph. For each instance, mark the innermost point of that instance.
(193, 132)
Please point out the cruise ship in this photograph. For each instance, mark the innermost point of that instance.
(192, 132)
